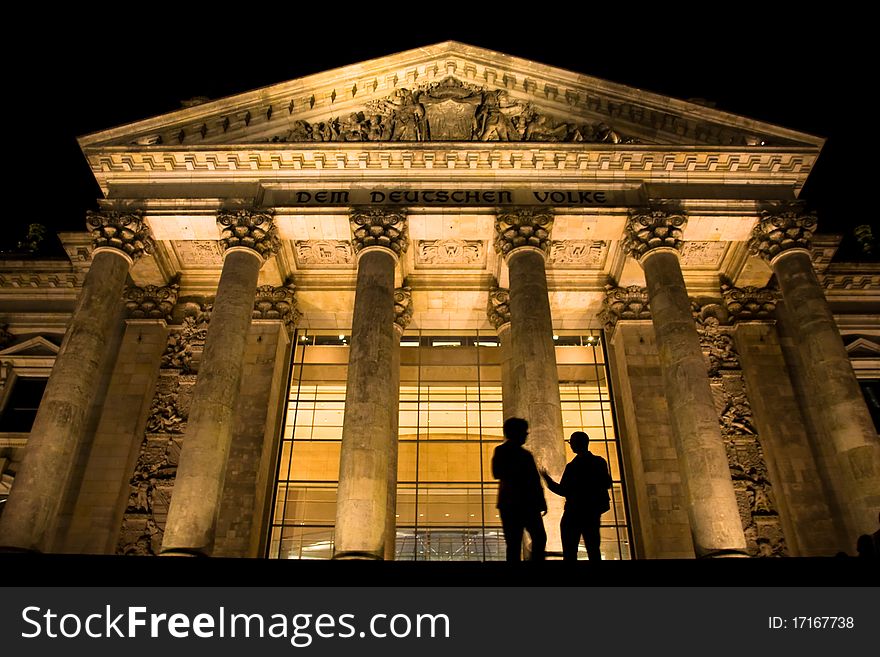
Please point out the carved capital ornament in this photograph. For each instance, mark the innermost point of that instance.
(277, 302)
(498, 307)
(403, 307)
(379, 227)
(653, 228)
(782, 228)
(125, 232)
(151, 301)
(522, 227)
(749, 302)
(250, 229)
(624, 303)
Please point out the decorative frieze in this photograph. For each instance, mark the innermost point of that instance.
(379, 227)
(578, 253)
(252, 229)
(498, 307)
(522, 227)
(124, 231)
(151, 301)
(652, 228)
(702, 254)
(403, 307)
(323, 253)
(749, 302)
(838, 281)
(464, 253)
(745, 455)
(279, 302)
(188, 338)
(624, 303)
(199, 252)
(782, 227)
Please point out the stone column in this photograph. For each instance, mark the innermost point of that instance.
(247, 238)
(403, 311)
(60, 425)
(372, 392)
(782, 237)
(654, 239)
(498, 312)
(523, 237)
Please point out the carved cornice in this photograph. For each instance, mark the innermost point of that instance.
(151, 301)
(624, 303)
(251, 229)
(403, 307)
(838, 281)
(498, 307)
(279, 303)
(749, 302)
(379, 227)
(564, 160)
(782, 227)
(653, 228)
(124, 231)
(523, 227)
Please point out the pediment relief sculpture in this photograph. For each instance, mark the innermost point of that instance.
(450, 110)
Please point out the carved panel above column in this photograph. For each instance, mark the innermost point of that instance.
(652, 228)
(782, 227)
(403, 307)
(379, 227)
(578, 253)
(624, 303)
(498, 308)
(124, 231)
(151, 301)
(323, 253)
(522, 227)
(252, 229)
(199, 252)
(462, 253)
(702, 254)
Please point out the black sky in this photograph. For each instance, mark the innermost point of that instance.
(79, 75)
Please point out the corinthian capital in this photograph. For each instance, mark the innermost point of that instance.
(749, 302)
(151, 301)
(125, 232)
(378, 227)
(624, 303)
(498, 308)
(523, 227)
(403, 308)
(653, 228)
(782, 227)
(271, 302)
(251, 229)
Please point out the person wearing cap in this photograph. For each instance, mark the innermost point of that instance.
(584, 485)
(520, 494)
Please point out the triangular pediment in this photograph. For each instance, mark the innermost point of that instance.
(36, 346)
(863, 348)
(447, 92)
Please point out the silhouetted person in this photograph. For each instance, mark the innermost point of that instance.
(584, 485)
(520, 495)
(865, 547)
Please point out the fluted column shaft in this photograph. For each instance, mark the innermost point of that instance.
(654, 238)
(371, 402)
(248, 238)
(833, 387)
(713, 512)
(60, 425)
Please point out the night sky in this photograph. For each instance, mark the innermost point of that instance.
(79, 76)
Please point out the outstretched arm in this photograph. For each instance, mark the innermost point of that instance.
(552, 485)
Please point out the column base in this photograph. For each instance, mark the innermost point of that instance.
(357, 556)
(182, 552)
(725, 554)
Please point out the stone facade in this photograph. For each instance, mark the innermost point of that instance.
(377, 193)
